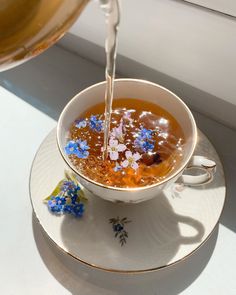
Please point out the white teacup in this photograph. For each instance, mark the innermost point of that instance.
(139, 89)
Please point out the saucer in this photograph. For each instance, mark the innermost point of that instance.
(129, 238)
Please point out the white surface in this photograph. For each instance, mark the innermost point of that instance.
(185, 42)
(225, 6)
(29, 263)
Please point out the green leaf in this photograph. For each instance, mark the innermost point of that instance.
(82, 197)
(67, 174)
(112, 220)
(56, 191)
(122, 241)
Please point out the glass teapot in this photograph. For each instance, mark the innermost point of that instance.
(28, 27)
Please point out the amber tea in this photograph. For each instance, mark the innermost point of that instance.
(145, 144)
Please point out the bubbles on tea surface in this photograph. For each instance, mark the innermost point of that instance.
(144, 147)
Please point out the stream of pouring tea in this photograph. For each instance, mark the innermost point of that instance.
(112, 11)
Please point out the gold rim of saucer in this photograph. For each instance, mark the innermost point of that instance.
(122, 188)
(140, 271)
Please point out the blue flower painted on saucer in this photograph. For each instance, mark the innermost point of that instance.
(118, 226)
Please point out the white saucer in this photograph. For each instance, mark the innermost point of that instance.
(162, 231)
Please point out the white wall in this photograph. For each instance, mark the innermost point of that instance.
(187, 43)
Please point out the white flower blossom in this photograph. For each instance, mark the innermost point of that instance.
(114, 148)
(131, 160)
(127, 116)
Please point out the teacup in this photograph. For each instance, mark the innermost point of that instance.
(145, 90)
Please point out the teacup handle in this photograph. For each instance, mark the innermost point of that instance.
(199, 162)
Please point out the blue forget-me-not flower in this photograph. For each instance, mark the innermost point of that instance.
(80, 123)
(144, 140)
(79, 148)
(95, 124)
(67, 199)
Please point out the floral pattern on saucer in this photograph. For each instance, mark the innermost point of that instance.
(118, 226)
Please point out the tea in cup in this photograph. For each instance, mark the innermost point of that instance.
(151, 142)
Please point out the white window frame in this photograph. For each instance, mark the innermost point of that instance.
(227, 7)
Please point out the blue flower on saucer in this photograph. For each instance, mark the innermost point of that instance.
(56, 204)
(67, 197)
(70, 188)
(117, 227)
(78, 210)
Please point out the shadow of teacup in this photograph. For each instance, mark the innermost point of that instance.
(79, 278)
(156, 235)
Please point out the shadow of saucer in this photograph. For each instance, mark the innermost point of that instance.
(78, 278)
(154, 235)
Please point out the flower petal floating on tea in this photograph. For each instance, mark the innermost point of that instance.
(81, 123)
(115, 148)
(96, 124)
(78, 148)
(131, 160)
